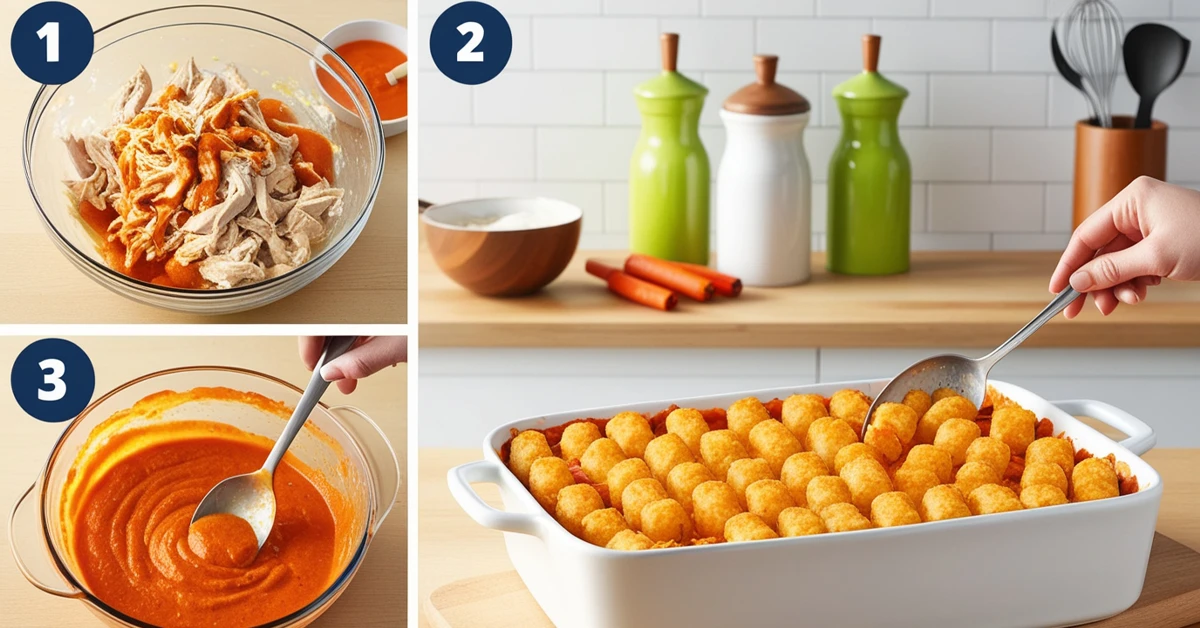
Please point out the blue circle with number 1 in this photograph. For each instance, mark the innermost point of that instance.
(470, 43)
(52, 42)
(53, 380)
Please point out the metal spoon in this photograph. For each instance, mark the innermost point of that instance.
(251, 496)
(967, 376)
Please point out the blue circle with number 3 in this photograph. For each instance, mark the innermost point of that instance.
(470, 43)
(53, 380)
(52, 42)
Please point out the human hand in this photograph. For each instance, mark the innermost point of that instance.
(1146, 232)
(369, 355)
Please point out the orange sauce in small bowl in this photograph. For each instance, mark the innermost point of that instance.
(370, 60)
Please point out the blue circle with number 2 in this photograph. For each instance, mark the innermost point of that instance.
(52, 42)
(470, 43)
(53, 380)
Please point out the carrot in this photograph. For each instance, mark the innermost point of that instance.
(725, 285)
(669, 275)
(632, 288)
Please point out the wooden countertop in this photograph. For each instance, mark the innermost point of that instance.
(958, 299)
(452, 547)
(378, 595)
(367, 285)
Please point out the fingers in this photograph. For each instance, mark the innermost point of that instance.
(1105, 301)
(1115, 218)
(1075, 307)
(310, 350)
(1134, 292)
(371, 356)
(1111, 269)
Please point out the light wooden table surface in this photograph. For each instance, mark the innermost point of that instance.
(39, 285)
(452, 547)
(378, 594)
(958, 299)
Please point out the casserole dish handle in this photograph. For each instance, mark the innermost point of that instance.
(1140, 437)
(460, 479)
(25, 539)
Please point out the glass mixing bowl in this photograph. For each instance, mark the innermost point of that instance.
(346, 447)
(275, 59)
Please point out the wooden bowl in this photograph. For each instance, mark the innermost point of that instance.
(503, 260)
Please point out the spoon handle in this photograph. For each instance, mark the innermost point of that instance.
(1060, 303)
(1145, 107)
(334, 347)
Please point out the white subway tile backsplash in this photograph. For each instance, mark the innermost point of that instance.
(1058, 208)
(819, 144)
(620, 106)
(543, 7)
(546, 98)
(872, 8)
(447, 191)
(712, 43)
(987, 100)
(1185, 8)
(652, 7)
(913, 113)
(948, 154)
(1068, 106)
(1183, 155)
(1177, 106)
(595, 43)
(583, 154)
(985, 207)
(1022, 46)
(814, 45)
(762, 8)
(476, 153)
(442, 101)
(616, 207)
(951, 242)
(1033, 155)
(1127, 8)
(934, 45)
(1030, 241)
(587, 196)
(988, 8)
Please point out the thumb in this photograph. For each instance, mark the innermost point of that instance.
(367, 358)
(1111, 269)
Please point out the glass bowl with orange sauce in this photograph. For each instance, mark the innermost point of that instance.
(341, 481)
(274, 57)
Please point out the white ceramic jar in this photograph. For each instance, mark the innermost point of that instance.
(764, 187)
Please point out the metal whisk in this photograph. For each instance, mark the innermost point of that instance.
(1091, 32)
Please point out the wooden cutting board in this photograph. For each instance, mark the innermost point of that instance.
(1170, 597)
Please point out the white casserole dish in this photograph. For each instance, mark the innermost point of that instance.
(1055, 566)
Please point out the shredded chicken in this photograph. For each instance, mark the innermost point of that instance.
(199, 175)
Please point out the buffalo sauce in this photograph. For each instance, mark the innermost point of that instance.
(168, 272)
(315, 152)
(371, 60)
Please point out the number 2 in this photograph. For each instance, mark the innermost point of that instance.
(49, 32)
(468, 53)
(53, 379)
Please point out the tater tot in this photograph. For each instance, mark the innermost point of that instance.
(799, 412)
(1050, 449)
(574, 503)
(1014, 425)
(688, 424)
(622, 475)
(526, 447)
(850, 406)
(943, 502)
(899, 418)
(713, 503)
(992, 498)
(941, 411)
(665, 520)
(894, 509)
(747, 526)
(600, 526)
(919, 400)
(629, 541)
(665, 453)
(632, 432)
(827, 436)
(1094, 478)
(885, 441)
(747, 471)
(743, 415)
(773, 442)
(954, 436)
(1042, 495)
(684, 479)
(825, 490)
(854, 451)
(547, 477)
(867, 479)
(768, 498)
(942, 393)
(636, 496)
(843, 517)
(973, 475)
(932, 458)
(603, 454)
(798, 470)
(797, 521)
(914, 482)
(718, 450)
(1043, 473)
(576, 438)
(990, 451)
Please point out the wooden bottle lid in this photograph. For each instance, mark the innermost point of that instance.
(766, 97)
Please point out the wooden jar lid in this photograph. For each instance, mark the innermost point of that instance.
(766, 97)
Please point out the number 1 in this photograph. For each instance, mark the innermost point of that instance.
(468, 52)
(49, 32)
(53, 379)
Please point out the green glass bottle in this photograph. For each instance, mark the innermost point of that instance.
(669, 172)
(870, 177)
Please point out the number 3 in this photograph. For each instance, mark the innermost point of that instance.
(49, 32)
(468, 53)
(58, 388)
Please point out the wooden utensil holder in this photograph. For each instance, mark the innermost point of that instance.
(1108, 159)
